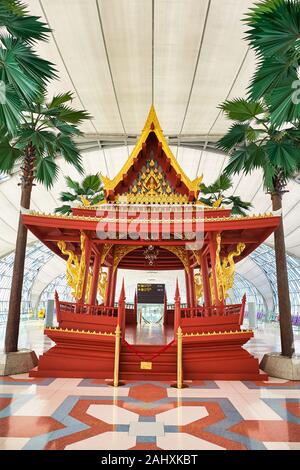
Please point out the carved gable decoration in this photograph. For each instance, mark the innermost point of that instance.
(152, 174)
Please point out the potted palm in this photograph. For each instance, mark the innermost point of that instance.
(216, 195)
(89, 192)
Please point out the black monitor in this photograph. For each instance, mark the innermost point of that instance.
(150, 293)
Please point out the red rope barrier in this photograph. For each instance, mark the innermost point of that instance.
(154, 356)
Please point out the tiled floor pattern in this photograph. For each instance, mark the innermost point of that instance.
(90, 414)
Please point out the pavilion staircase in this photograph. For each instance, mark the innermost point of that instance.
(163, 362)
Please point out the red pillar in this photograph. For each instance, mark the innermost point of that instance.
(113, 288)
(187, 287)
(108, 286)
(192, 288)
(95, 279)
(212, 251)
(205, 281)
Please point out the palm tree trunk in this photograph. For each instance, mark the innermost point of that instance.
(14, 311)
(285, 319)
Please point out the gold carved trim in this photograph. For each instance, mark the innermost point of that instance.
(228, 268)
(82, 332)
(120, 252)
(72, 266)
(181, 253)
(102, 283)
(198, 285)
(225, 270)
(106, 249)
(218, 333)
(193, 219)
(152, 119)
(75, 269)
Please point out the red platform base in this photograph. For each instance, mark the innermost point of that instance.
(205, 357)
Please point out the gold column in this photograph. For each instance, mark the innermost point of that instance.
(117, 356)
(179, 357)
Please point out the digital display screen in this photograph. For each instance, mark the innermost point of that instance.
(150, 293)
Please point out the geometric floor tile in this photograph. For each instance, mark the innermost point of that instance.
(56, 414)
(282, 445)
(29, 426)
(273, 430)
(12, 443)
(107, 440)
(146, 429)
(112, 414)
(183, 441)
(182, 415)
(147, 393)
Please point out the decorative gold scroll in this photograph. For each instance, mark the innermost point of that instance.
(121, 251)
(225, 270)
(82, 267)
(106, 249)
(198, 285)
(228, 268)
(102, 283)
(75, 270)
(72, 266)
(181, 253)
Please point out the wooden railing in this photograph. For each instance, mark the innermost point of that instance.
(194, 312)
(85, 309)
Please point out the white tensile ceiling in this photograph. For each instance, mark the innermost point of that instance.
(119, 56)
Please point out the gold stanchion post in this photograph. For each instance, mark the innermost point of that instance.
(179, 357)
(117, 356)
(179, 383)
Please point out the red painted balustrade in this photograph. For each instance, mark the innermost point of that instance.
(209, 319)
(86, 317)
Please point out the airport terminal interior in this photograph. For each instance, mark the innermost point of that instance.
(150, 275)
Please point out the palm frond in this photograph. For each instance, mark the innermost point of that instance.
(69, 151)
(46, 170)
(67, 196)
(72, 184)
(72, 116)
(236, 134)
(60, 99)
(63, 210)
(269, 73)
(8, 155)
(242, 110)
(92, 183)
(274, 27)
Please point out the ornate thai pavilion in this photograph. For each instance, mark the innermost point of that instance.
(150, 206)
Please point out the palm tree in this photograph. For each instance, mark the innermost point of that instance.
(253, 141)
(215, 196)
(273, 33)
(89, 192)
(23, 74)
(46, 131)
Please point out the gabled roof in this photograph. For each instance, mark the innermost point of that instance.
(152, 125)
